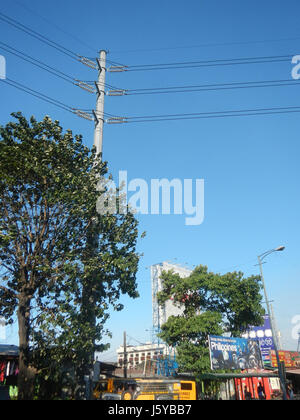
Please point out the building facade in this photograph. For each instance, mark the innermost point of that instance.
(138, 355)
(161, 313)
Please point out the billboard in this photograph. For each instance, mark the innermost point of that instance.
(291, 359)
(265, 339)
(234, 353)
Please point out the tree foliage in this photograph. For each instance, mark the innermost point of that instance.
(62, 264)
(212, 304)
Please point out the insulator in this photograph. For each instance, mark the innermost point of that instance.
(83, 114)
(117, 120)
(119, 92)
(85, 86)
(113, 69)
(88, 63)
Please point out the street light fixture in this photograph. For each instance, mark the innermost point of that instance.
(281, 375)
(280, 248)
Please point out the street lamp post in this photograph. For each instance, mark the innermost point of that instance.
(260, 260)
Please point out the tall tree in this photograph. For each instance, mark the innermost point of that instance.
(212, 304)
(48, 196)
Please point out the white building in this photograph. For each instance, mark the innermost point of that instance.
(161, 313)
(137, 355)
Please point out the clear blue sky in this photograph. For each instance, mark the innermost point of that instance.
(249, 164)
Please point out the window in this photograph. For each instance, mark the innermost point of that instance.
(186, 386)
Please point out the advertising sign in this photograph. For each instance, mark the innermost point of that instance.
(291, 359)
(234, 353)
(265, 339)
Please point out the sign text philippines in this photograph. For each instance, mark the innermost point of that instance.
(234, 353)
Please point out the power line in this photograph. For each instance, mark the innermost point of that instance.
(78, 40)
(202, 115)
(38, 36)
(43, 97)
(92, 111)
(201, 88)
(210, 61)
(37, 63)
(203, 63)
(114, 62)
(87, 114)
(37, 94)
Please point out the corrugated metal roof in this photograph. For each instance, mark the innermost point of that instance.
(9, 350)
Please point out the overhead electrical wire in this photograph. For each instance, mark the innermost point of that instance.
(204, 88)
(44, 66)
(78, 40)
(113, 62)
(37, 63)
(55, 102)
(39, 36)
(209, 61)
(106, 114)
(153, 118)
(37, 94)
(206, 115)
(147, 67)
(205, 63)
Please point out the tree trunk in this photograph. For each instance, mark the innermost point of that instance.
(86, 359)
(26, 373)
(85, 362)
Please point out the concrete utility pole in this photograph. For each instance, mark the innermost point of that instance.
(99, 114)
(92, 239)
(125, 355)
(280, 364)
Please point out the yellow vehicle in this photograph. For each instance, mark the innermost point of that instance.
(145, 389)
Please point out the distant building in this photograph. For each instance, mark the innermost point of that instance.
(161, 313)
(138, 355)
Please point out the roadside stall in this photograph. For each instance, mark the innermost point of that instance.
(293, 377)
(291, 360)
(242, 386)
(9, 369)
(242, 357)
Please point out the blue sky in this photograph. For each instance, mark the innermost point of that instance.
(249, 164)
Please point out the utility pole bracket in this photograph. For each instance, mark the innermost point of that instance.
(99, 91)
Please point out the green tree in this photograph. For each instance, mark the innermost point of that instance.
(50, 279)
(212, 304)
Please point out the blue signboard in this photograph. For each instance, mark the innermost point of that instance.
(265, 338)
(234, 353)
